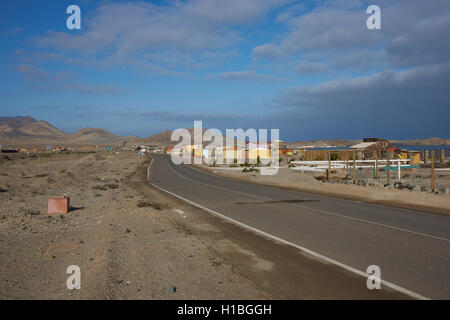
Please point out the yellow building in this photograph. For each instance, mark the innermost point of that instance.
(262, 153)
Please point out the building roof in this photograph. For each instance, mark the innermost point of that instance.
(362, 145)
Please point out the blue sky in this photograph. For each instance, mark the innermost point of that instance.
(310, 68)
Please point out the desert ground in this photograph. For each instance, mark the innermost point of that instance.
(125, 245)
(132, 241)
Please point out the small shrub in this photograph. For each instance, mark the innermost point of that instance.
(98, 187)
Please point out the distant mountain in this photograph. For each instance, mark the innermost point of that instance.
(423, 142)
(93, 135)
(99, 136)
(28, 129)
(159, 139)
(331, 142)
(164, 138)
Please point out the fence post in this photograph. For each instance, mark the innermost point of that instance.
(425, 157)
(442, 156)
(376, 166)
(432, 172)
(329, 165)
(348, 168)
(388, 168)
(354, 165)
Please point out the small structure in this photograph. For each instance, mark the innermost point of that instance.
(229, 154)
(370, 146)
(258, 152)
(59, 205)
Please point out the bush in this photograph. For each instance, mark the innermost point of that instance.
(334, 156)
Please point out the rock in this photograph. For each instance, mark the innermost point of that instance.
(416, 189)
(447, 191)
(127, 230)
(411, 186)
(404, 185)
(397, 185)
(171, 289)
(98, 187)
(154, 205)
(28, 212)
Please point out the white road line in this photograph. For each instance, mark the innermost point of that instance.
(318, 210)
(354, 203)
(313, 253)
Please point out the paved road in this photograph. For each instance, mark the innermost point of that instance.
(412, 248)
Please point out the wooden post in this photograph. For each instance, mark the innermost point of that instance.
(388, 168)
(329, 165)
(376, 166)
(432, 171)
(354, 165)
(348, 168)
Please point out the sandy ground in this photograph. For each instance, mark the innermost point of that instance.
(305, 182)
(132, 241)
(123, 251)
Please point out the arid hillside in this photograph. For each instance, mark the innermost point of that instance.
(27, 130)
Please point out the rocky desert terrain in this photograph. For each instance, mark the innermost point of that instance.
(126, 245)
(131, 241)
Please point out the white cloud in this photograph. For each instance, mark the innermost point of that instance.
(249, 75)
(117, 33)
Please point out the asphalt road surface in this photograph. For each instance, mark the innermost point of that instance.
(412, 248)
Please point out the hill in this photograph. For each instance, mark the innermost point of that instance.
(28, 129)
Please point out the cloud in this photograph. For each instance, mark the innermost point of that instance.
(32, 73)
(120, 33)
(248, 75)
(186, 117)
(266, 51)
(307, 67)
(413, 33)
(384, 103)
(64, 80)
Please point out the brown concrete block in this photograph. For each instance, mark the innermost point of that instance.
(58, 205)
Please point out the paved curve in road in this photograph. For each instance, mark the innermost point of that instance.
(412, 248)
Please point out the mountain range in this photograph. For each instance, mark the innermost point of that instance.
(27, 130)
